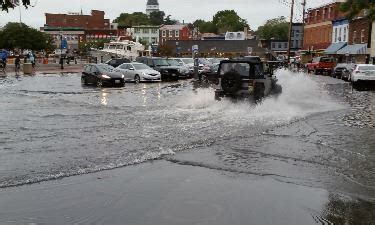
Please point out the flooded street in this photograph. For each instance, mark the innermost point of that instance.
(319, 133)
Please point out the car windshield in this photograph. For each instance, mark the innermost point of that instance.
(342, 65)
(188, 61)
(161, 62)
(105, 68)
(241, 68)
(173, 62)
(141, 67)
(369, 67)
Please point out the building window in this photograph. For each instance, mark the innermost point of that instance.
(354, 36)
(171, 33)
(345, 29)
(279, 46)
(164, 40)
(362, 36)
(145, 31)
(177, 33)
(164, 34)
(324, 13)
(340, 34)
(154, 31)
(335, 34)
(137, 30)
(285, 45)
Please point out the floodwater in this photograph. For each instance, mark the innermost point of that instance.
(320, 132)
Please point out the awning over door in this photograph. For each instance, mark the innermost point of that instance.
(357, 49)
(333, 48)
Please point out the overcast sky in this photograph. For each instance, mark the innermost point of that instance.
(256, 12)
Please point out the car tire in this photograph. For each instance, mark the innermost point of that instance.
(83, 81)
(99, 83)
(277, 89)
(231, 82)
(258, 92)
(137, 79)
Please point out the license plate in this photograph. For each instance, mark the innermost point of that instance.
(117, 81)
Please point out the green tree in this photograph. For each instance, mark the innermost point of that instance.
(205, 26)
(7, 4)
(16, 35)
(228, 20)
(169, 21)
(133, 19)
(277, 28)
(354, 7)
(157, 18)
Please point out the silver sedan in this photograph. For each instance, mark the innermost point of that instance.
(138, 72)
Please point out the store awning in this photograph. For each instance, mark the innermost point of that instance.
(357, 49)
(333, 48)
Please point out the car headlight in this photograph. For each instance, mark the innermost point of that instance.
(106, 76)
(144, 74)
(122, 76)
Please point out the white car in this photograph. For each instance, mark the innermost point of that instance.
(189, 62)
(363, 73)
(138, 72)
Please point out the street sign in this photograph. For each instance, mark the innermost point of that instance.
(250, 50)
(195, 48)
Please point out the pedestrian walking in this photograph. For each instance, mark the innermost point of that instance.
(32, 59)
(17, 65)
(3, 61)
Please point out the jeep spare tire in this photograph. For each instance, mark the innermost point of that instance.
(231, 82)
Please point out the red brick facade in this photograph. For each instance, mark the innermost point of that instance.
(318, 28)
(174, 33)
(359, 31)
(95, 21)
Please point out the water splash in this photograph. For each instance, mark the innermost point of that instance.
(302, 96)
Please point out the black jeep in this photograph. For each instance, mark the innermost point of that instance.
(245, 78)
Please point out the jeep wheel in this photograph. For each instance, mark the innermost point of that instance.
(231, 82)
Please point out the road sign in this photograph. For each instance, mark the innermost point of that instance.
(195, 48)
(250, 50)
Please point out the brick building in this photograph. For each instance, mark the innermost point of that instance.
(318, 28)
(359, 42)
(174, 33)
(95, 21)
(76, 27)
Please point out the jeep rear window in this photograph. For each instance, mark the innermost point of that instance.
(241, 68)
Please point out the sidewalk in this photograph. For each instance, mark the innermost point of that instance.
(50, 68)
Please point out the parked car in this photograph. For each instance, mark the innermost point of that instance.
(245, 79)
(184, 70)
(116, 62)
(160, 64)
(363, 73)
(101, 75)
(204, 65)
(138, 72)
(319, 65)
(342, 69)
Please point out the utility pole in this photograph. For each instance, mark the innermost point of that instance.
(290, 30)
(303, 21)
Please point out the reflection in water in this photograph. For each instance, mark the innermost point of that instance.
(349, 211)
(144, 95)
(104, 98)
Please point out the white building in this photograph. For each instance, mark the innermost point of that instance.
(152, 6)
(149, 34)
(340, 31)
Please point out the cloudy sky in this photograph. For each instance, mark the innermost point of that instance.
(256, 12)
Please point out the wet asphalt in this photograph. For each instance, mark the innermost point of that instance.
(319, 133)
